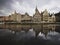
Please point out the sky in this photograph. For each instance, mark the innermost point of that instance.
(8, 7)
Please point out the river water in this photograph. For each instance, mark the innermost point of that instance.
(40, 34)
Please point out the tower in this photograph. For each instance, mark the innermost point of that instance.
(53, 17)
(36, 10)
(15, 12)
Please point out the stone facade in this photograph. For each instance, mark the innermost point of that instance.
(16, 17)
(53, 18)
(4, 18)
(37, 17)
(45, 15)
(26, 18)
(1, 18)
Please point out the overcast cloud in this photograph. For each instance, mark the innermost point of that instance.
(21, 6)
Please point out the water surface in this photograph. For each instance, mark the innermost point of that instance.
(43, 34)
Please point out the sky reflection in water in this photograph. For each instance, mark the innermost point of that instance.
(31, 33)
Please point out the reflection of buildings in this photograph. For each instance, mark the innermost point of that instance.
(43, 28)
(37, 28)
(47, 28)
(37, 17)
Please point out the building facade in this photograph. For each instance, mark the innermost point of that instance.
(43, 17)
(16, 17)
(37, 17)
(26, 18)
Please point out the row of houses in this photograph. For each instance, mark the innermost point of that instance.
(37, 17)
(4, 18)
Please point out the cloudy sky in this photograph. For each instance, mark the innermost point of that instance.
(21, 6)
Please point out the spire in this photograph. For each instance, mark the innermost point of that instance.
(15, 12)
(36, 9)
(53, 15)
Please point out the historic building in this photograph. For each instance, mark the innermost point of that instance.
(43, 17)
(57, 15)
(37, 17)
(4, 18)
(47, 17)
(1, 18)
(16, 17)
(26, 18)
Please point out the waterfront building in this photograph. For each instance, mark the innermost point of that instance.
(37, 17)
(53, 18)
(45, 16)
(4, 18)
(1, 18)
(26, 18)
(17, 17)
